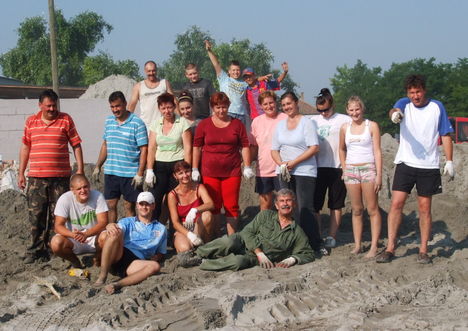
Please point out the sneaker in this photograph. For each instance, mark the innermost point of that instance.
(423, 258)
(330, 242)
(322, 251)
(384, 257)
(189, 259)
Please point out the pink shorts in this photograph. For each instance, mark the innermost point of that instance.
(365, 173)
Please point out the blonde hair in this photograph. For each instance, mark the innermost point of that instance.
(356, 99)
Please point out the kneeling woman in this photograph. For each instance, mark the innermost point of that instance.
(190, 208)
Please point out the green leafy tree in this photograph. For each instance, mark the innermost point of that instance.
(96, 68)
(29, 61)
(190, 48)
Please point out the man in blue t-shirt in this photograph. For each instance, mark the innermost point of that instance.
(124, 149)
(422, 121)
(133, 247)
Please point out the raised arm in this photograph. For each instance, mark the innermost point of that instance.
(213, 58)
(135, 97)
(285, 67)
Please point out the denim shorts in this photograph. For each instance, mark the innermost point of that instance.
(365, 173)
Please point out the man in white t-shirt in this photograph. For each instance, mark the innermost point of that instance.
(80, 216)
(147, 92)
(422, 122)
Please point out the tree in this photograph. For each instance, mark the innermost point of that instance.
(96, 68)
(190, 48)
(29, 61)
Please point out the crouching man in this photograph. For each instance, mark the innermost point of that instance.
(133, 247)
(271, 240)
(80, 216)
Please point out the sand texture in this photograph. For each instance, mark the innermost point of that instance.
(341, 291)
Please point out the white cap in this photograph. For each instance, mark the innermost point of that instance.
(146, 197)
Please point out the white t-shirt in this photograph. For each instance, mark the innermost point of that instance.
(149, 111)
(328, 130)
(419, 133)
(80, 216)
(292, 143)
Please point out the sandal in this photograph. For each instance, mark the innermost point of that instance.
(384, 257)
(423, 258)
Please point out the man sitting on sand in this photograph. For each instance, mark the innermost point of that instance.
(272, 239)
(134, 246)
(80, 216)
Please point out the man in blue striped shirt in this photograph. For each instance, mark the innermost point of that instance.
(124, 151)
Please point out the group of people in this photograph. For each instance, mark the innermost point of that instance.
(184, 157)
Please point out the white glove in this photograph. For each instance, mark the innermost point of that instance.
(397, 117)
(194, 239)
(248, 172)
(286, 263)
(96, 173)
(448, 169)
(150, 178)
(284, 173)
(190, 218)
(137, 181)
(264, 261)
(195, 174)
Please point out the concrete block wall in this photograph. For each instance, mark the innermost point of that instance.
(89, 116)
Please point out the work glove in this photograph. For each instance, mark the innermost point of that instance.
(397, 117)
(194, 239)
(248, 172)
(137, 181)
(448, 169)
(195, 174)
(96, 173)
(286, 263)
(264, 261)
(284, 173)
(150, 178)
(190, 219)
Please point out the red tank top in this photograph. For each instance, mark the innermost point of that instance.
(183, 210)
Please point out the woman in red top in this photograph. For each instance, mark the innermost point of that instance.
(218, 140)
(189, 205)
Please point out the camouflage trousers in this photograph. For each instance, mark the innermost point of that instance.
(42, 195)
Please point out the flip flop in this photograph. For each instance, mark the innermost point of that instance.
(384, 257)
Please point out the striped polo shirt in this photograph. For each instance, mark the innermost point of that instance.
(48, 143)
(123, 145)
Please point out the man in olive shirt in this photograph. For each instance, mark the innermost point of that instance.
(272, 239)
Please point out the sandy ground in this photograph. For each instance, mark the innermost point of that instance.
(340, 291)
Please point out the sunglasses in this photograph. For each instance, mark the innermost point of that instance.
(323, 110)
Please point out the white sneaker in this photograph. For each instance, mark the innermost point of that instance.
(330, 242)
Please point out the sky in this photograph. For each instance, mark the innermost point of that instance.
(314, 37)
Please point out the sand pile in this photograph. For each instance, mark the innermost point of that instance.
(340, 291)
(103, 88)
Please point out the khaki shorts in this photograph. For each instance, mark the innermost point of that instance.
(89, 246)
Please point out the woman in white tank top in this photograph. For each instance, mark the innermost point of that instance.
(361, 160)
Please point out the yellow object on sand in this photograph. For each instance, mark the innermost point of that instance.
(80, 273)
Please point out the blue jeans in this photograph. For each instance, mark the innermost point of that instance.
(304, 187)
(238, 116)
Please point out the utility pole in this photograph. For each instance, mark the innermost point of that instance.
(53, 47)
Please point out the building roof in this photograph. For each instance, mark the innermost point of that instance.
(10, 81)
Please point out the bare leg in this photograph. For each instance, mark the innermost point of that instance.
(129, 208)
(137, 272)
(355, 194)
(112, 205)
(372, 203)
(394, 218)
(182, 243)
(265, 201)
(335, 222)
(231, 225)
(205, 226)
(425, 221)
(62, 247)
(111, 252)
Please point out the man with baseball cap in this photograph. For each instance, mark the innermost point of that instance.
(256, 86)
(133, 246)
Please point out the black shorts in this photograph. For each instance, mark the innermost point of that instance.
(329, 179)
(120, 267)
(264, 185)
(428, 181)
(115, 186)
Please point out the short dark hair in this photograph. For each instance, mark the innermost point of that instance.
(185, 96)
(234, 63)
(49, 94)
(181, 165)
(219, 98)
(415, 81)
(291, 95)
(166, 98)
(324, 96)
(114, 96)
